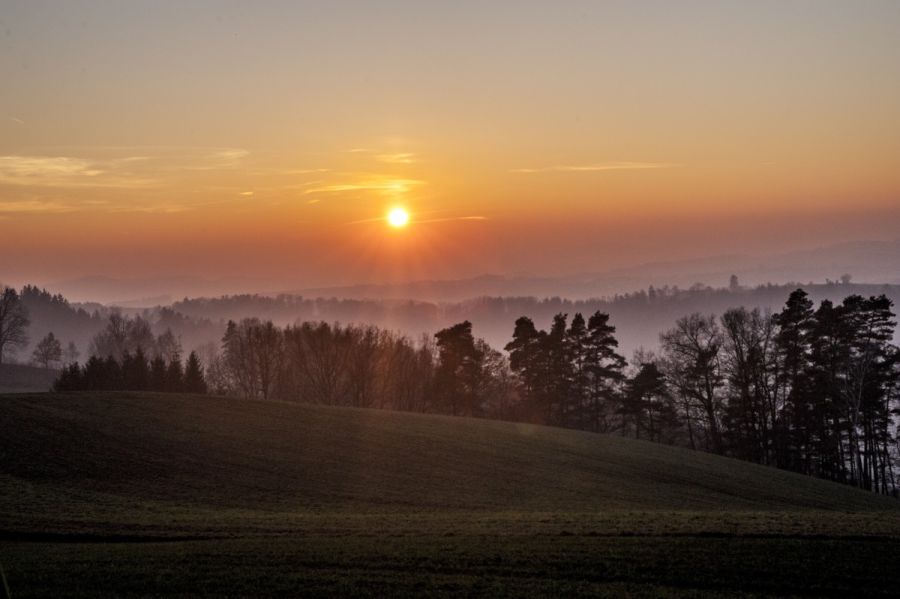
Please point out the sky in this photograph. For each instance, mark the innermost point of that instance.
(268, 140)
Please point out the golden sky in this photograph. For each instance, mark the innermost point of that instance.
(270, 139)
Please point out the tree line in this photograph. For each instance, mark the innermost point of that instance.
(134, 372)
(813, 390)
(809, 389)
(127, 356)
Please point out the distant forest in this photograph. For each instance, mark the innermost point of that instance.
(812, 389)
(200, 323)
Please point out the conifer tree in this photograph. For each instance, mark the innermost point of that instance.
(194, 381)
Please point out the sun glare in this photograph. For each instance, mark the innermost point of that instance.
(398, 217)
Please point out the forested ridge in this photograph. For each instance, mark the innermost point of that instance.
(811, 389)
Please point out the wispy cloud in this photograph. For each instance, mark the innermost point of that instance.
(33, 206)
(305, 171)
(151, 168)
(66, 171)
(17, 120)
(382, 185)
(603, 166)
(398, 158)
(246, 193)
(212, 159)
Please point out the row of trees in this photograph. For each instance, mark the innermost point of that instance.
(570, 375)
(360, 366)
(134, 372)
(14, 322)
(810, 390)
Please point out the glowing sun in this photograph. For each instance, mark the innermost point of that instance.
(398, 217)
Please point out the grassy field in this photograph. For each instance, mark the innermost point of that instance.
(142, 495)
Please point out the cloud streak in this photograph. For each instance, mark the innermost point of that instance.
(398, 158)
(67, 171)
(600, 167)
(382, 185)
(34, 207)
(127, 172)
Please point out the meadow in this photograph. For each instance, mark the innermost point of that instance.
(130, 494)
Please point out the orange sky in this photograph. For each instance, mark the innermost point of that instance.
(225, 139)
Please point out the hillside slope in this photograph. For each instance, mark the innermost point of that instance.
(221, 454)
(256, 499)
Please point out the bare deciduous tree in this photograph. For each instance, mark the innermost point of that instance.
(13, 322)
(48, 351)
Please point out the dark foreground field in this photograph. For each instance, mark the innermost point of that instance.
(143, 495)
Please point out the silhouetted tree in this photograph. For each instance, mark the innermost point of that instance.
(175, 376)
(13, 322)
(794, 391)
(135, 371)
(647, 402)
(158, 373)
(70, 379)
(750, 365)
(253, 351)
(580, 389)
(692, 368)
(528, 361)
(48, 351)
(458, 371)
(112, 375)
(558, 357)
(605, 373)
(194, 381)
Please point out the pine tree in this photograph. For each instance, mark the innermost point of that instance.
(605, 368)
(458, 371)
(70, 379)
(527, 361)
(558, 356)
(194, 381)
(792, 437)
(174, 376)
(577, 338)
(157, 374)
(647, 402)
(135, 371)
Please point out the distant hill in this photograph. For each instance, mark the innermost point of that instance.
(868, 261)
(639, 317)
(159, 461)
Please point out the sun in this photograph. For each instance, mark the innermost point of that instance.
(398, 218)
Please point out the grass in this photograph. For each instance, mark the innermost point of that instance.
(140, 494)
